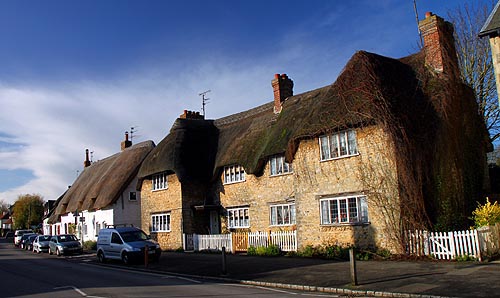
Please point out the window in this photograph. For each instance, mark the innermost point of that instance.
(238, 218)
(160, 222)
(234, 174)
(282, 215)
(344, 210)
(160, 181)
(278, 165)
(132, 196)
(338, 145)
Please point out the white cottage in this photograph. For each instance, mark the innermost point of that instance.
(103, 194)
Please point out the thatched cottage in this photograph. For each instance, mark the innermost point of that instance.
(103, 194)
(392, 144)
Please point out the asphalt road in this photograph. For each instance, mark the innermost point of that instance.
(25, 274)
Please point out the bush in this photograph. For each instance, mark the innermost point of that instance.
(90, 245)
(269, 251)
(486, 215)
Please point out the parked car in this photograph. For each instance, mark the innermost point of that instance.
(18, 234)
(9, 235)
(41, 243)
(24, 238)
(126, 244)
(64, 244)
(28, 244)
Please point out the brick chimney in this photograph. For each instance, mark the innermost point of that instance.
(282, 88)
(86, 163)
(439, 44)
(191, 115)
(126, 143)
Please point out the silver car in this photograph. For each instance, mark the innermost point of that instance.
(65, 244)
(41, 243)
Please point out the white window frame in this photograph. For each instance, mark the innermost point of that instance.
(238, 218)
(282, 214)
(159, 181)
(278, 166)
(344, 210)
(160, 222)
(234, 174)
(338, 145)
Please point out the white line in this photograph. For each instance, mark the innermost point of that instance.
(282, 291)
(183, 278)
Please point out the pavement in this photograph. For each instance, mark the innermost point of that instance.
(374, 278)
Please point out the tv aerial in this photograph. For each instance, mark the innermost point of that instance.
(204, 100)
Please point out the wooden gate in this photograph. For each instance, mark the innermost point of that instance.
(240, 242)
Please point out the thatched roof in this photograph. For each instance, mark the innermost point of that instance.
(368, 85)
(188, 150)
(102, 183)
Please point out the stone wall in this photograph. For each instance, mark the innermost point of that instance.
(163, 201)
(371, 173)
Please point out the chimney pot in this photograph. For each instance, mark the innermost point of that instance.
(86, 163)
(126, 143)
(428, 14)
(276, 75)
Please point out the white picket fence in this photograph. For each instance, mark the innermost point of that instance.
(443, 245)
(285, 240)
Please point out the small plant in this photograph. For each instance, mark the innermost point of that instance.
(269, 251)
(487, 214)
(252, 251)
(465, 258)
(90, 245)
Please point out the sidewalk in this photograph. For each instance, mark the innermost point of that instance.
(375, 278)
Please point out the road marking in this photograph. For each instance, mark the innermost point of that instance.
(78, 291)
(183, 278)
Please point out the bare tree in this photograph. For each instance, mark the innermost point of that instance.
(474, 57)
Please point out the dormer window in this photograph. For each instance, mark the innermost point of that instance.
(233, 174)
(338, 145)
(159, 181)
(278, 165)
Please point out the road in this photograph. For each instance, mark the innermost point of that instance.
(24, 274)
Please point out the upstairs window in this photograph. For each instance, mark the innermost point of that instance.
(282, 215)
(278, 165)
(233, 174)
(160, 181)
(344, 210)
(238, 217)
(338, 145)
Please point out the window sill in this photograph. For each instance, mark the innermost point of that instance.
(234, 182)
(160, 189)
(340, 157)
(242, 227)
(344, 224)
(156, 232)
(279, 226)
(282, 174)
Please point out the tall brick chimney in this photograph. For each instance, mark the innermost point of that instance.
(86, 163)
(439, 45)
(126, 143)
(282, 88)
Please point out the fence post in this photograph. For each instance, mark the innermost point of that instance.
(224, 264)
(146, 257)
(352, 260)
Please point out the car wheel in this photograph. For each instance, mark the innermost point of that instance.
(125, 258)
(100, 257)
(50, 251)
(58, 252)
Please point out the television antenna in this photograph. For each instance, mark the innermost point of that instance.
(204, 100)
(133, 130)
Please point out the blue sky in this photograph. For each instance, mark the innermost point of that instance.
(78, 74)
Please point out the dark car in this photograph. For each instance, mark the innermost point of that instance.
(28, 244)
(9, 235)
(24, 238)
(65, 244)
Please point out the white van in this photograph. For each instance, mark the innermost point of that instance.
(19, 234)
(126, 244)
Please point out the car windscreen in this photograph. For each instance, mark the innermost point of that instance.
(67, 238)
(43, 238)
(131, 236)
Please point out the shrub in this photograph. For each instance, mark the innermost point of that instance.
(90, 245)
(486, 215)
(465, 258)
(269, 251)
